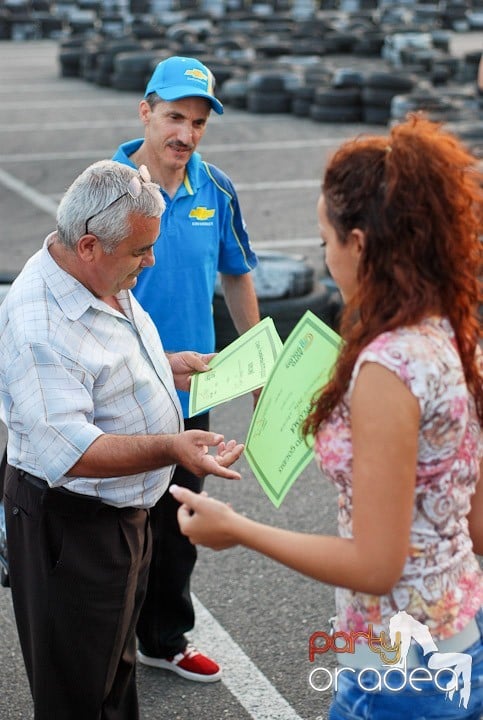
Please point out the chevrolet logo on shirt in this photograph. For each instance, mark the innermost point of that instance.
(201, 213)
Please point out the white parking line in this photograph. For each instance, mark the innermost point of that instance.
(42, 127)
(38, 199)
(254, 692)
(313, 242)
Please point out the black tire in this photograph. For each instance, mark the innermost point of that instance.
(334, 114)
(106, 58)
(70, 62)
(131, 70)
(441, 40)
(369, 45)
(89, 60)
(134, 61)
(319, 76)
(234, 93)
(279, 275)
(398, 83)
(337, 97)
(440, 75)
(378, 97)
(308, 46)
(143, 29)
(303, 92)
(347, 78)
(272, 82)
(263, 102)
(376, 115)
(301, 107)
(339, 42)
(271, 49)
(133, 82)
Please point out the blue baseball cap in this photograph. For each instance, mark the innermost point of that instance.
(181, 77)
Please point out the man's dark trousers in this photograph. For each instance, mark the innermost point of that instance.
(78, 573)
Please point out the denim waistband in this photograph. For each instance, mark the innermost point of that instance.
(364, 657)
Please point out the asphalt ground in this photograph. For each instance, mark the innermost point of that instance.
(253, 615)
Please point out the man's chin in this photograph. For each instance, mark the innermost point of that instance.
(130, 282)
(181, 156)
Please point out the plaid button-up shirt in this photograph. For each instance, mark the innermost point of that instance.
(73, 368)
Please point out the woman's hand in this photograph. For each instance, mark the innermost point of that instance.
(203, 520)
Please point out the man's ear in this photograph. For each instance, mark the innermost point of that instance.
(144, 111)
(87, 248)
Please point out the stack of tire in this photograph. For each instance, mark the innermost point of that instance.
(131, 69)
(342, 101)
(316, 75)
(378, 90)
(337, 105)
(454, 15)
(108, 52)
(438, 107)
(71, 53)
(97, 63)
(270, 91)
(286, 288)
(234, 92)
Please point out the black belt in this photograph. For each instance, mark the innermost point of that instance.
(64, 502)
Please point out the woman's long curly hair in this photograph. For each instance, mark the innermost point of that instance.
(417, 196)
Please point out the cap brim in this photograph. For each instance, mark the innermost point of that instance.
(178, 93)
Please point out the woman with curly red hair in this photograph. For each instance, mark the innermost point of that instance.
(398, 428)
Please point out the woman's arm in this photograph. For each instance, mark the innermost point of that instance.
(385, 422)
(475, 518)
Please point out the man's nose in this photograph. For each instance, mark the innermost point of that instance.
(149, 260)
(186, 134)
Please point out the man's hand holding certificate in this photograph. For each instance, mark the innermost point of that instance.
(243, 366)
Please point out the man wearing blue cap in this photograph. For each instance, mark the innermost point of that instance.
(202, 233)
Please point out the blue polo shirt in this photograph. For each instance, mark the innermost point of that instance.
(202, 233)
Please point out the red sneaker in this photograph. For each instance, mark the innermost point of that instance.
(190, 664)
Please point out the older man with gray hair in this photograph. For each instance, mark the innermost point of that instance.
(94, 433)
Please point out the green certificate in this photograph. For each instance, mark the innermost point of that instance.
(275, 447)
(241, 367)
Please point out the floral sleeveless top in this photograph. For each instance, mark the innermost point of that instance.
(442, 583)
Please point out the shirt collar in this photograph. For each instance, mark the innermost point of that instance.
(72, 296)
(192, 179)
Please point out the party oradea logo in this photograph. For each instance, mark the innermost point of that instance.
(450, 672)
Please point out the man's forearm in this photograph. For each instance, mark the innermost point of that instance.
(114, 455)
(241, 300)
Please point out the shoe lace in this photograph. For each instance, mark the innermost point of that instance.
(191, 651)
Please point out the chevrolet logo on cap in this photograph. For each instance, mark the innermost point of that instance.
(197, 74)
(201, 213)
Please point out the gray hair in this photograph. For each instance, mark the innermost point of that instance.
(89, 196)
